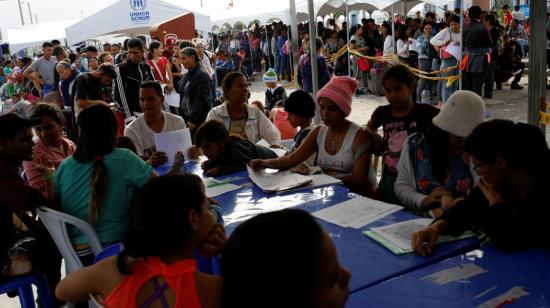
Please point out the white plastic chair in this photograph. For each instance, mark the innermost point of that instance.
(56, 223)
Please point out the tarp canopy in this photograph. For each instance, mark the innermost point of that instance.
(264, 18)
(130, 17)
(26, 36)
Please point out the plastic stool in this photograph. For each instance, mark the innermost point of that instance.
(23, 285)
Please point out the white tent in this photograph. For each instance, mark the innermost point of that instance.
(26, 36)
(263, 18)
(130, 17)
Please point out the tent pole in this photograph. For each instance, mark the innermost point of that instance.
(461, 43)
(295, 38)
(313, 57)
(347, 34)
(537, 54)
(393, 28)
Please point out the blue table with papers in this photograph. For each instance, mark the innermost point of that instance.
(369, 262)
(483, 277)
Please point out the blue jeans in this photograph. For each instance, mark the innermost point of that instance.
(276, 65)
(426, 66)
(282, 64)
(448, 91)
(490, 79)
(522, 43)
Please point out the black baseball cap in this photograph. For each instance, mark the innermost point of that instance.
(12, 123)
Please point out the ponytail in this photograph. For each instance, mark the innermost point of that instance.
(99, 188)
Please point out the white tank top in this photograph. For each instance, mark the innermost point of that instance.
(341, 163)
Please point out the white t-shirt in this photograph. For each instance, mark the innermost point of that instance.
(519, 15)
(207, 64)
(142, 135)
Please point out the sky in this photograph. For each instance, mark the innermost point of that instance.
(51, 10)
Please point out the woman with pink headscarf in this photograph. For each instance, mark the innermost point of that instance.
(341, 146)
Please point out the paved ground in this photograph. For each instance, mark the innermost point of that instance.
(506, 104)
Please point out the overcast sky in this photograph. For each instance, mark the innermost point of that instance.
(51, 10)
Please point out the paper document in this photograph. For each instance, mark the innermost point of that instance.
(454, 50)
(276, 181)
(172, 142)
(318, 180)
(279, 151)
(356, 212)
(173, 99)
(397, 237)
(414, 46)
(215, 188)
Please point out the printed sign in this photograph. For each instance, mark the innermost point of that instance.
(139, 15)
(138, 5)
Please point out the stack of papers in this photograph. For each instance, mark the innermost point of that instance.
(356, 212)
(276, 181)
(215, 188)
(279, 151)
(397, 237)
(172, 142)
(318, 180)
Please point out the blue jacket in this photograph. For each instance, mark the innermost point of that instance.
(65, 87)
(304, 73)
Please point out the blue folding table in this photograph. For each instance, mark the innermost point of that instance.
(368, 261)
(519, 279)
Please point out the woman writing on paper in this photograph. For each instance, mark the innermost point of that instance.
(510, 202)
(342, 147)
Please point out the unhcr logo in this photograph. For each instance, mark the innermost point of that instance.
(138, 5)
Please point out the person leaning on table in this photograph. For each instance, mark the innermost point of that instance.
(509, 204)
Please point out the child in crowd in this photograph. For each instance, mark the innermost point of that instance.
(157, 263)
(226, 154)
(301, 110)
(274, 92)
(303, 266)
(279, 117)
(398, 120)
(258, 105)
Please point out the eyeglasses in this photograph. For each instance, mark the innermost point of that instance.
(476, 167)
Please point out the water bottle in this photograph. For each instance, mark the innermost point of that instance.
(425, 97)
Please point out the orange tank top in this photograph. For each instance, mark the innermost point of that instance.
(179, 276)
(282, 124)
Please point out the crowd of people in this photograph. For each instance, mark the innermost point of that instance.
(85, 141)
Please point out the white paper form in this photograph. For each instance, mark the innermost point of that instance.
(400, 233)
(172, 142)
(454, 50)
(318, 180)
(356, 212)
(215, 188)
(276, 181)
(279, 151)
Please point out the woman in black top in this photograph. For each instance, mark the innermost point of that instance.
(510, 203)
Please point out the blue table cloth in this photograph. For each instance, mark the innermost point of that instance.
(527, 274)
(368, 261)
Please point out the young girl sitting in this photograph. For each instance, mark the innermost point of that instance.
(157, 265)
(282, 259)
(342, 147)
(399, 119)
